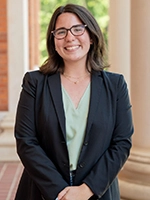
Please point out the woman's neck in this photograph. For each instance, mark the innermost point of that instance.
(75, 69)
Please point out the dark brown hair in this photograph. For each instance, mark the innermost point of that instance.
(96, 54)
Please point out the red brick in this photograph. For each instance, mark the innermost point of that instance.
(33, 46)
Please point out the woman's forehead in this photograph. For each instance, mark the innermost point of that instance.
(67, 20)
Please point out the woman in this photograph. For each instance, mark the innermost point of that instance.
(73, 124)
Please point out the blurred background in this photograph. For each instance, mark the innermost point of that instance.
(126, 28)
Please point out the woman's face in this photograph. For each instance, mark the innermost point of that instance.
(72, 48)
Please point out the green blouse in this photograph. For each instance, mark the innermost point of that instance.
(76, 119)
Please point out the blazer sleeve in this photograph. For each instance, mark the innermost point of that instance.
(110, 163)
(40, 168)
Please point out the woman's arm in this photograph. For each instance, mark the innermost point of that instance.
(40, 168)
(110, 163)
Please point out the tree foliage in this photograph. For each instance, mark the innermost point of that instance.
(98, 8)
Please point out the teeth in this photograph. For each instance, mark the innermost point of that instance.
(72, 48)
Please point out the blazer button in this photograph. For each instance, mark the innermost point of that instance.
(85, 143)
(81, 165)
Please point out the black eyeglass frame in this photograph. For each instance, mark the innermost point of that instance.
(69, 29)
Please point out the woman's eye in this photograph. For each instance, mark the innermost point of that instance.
(77, 29)
(61, 32)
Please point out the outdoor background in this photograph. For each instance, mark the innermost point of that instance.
(126, 28)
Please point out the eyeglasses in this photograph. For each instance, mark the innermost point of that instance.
(76, 30)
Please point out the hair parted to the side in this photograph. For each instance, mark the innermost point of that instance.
(96, 54)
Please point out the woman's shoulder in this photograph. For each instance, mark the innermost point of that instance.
(113, 80)
(112, 77)
(35, 76)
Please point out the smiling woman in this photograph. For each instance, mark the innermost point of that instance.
(74, 124)
(90, 44)
(75, 43)
(48, 6)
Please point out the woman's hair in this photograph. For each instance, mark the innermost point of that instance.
(96, 54)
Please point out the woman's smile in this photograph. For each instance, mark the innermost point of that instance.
(72, 48)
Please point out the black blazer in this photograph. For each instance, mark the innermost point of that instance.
(41, 137)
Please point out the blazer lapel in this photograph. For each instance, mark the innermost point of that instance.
(55, 89)
(96, 84)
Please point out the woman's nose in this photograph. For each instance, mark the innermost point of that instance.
(70, 36)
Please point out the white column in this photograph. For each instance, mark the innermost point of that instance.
(119, 37)
(18, 57)
(18, 64)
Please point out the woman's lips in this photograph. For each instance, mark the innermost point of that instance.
(72, 48)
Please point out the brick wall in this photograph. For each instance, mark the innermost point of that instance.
(34, 32)
(34, 6)
(3, 57)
